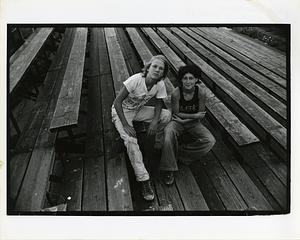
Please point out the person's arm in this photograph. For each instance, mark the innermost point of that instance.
(119, 109)
(157, 111)
(175, 97)
(201, 113)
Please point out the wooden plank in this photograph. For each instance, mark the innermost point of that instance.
(252, 196)
(33, 190)
(261, 80)
(131, 61)
(245, 63)
(26, 142)
(260, 49)
(190, 193)
(38, 170)
(22, 63)
(208, 190)
(118, 65)
(67, 108)
(119, 196)
(259, 95)
(161, 45)
(274, 163)
(72, 182)
(257, 43)
(94, 185)
(22, 47)
(266, 176)
(118, 190)
(168, 195)
(228, 193)
(263, 119)
(238, 46)
(231, 123)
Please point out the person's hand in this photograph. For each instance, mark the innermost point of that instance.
(202, 114)
(129, 130)
(177, 119)
(152, 128)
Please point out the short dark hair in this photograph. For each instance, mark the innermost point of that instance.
(192, 69)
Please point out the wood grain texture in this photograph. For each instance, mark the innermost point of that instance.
(94, 183)
(67, 109)
(251, 53)
(27, 141)
(252, 196)
(273, 106)
(18, 67)
(94, 186)
(227, 191)
(207, 188)
(33, 190)
(237, 130)
(263, 118)
(243, 62)
(190, 193)
(118, 189)
(117, 62)
(267, 177)
(168, 195)
(261, 50)
(280, 55)
(260, 79)
(71, 185)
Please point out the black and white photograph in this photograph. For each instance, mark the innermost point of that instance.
(148, 119)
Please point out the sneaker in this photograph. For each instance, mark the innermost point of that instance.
(168, 177)
(147, 190)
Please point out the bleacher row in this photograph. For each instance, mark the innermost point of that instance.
(69, 145)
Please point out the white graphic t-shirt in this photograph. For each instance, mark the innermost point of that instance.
(138, 94)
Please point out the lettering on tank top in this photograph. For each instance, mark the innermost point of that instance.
(191, 106)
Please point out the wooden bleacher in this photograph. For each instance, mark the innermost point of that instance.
(247, 170)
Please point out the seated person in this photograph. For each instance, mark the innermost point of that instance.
(188, 108)
(129, 106)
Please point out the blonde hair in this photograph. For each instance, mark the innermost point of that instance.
(157, 57)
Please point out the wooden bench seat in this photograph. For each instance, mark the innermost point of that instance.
(32, 159)
(261, 80)
(94, 183)
(269, 103)
(245, 153)
(252, 69)
(239, 174)
(262, 124)
(237, 130)
(251, 53)
(67, 107)
(271, 51)
(23, 58)
(262, 51)
(252, 198)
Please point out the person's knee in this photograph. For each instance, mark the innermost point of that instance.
(165, 116)
(169, 134)
(211, 141)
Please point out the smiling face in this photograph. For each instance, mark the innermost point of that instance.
(156, 70)
(188, 81)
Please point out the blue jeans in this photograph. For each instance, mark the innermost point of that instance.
(201, 143)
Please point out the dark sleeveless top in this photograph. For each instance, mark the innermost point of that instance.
(191, 106)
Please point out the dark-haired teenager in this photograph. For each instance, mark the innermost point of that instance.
(188, 108)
